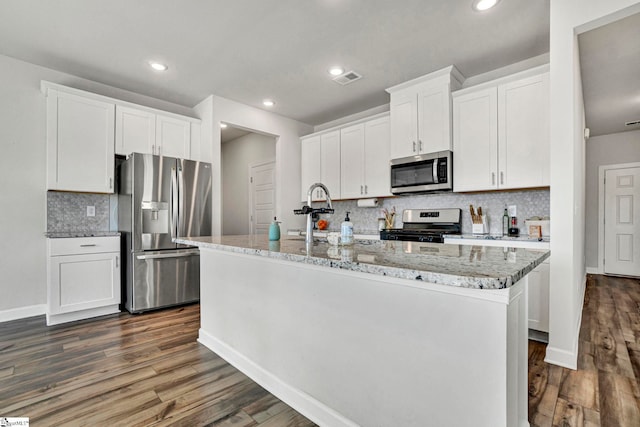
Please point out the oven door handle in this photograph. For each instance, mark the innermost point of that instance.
(434, 171)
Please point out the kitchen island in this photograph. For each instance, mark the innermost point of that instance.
(381, 333)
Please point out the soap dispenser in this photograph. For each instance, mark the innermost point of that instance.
(346, 231)
(274, 230)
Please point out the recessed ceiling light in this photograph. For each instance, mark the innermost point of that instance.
(482, 5)
(268, 103)
(158, 66)
(223, 125)
(336, 71)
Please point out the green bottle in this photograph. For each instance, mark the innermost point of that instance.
(505, 222)
(274, 230)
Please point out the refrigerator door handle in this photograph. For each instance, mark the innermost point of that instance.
(180, 219)
(174, 204)
(169, 255)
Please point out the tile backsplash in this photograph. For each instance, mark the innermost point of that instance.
(68, 212)
(528, 202)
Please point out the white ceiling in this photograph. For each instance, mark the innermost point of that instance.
(248, 50)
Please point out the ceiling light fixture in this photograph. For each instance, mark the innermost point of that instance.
(482, 5)
(268, 103)
(223, 125)
(336, 71)
(158, 66)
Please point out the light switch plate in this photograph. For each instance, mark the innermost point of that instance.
(91, 211)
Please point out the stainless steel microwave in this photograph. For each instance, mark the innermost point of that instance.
(423, 173)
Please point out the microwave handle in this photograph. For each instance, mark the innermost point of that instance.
(435, 171)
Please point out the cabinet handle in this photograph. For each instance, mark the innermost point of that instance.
(153, 149)
(110, 183)
(117, 262)
(361, 190)
(420, 145)
(159, 150)
(87, 246)
(366, 191)
(493, 178)
(414, 146)
(501, 177)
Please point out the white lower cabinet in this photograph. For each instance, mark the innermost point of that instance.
(539, 297)
(83, 278)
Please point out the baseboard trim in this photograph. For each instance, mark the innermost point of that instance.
(22, 312)
(56, 319)
(593, 270)
(311, 408)
(565, 358)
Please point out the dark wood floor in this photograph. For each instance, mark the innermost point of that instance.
(605, 390)
(148, 370)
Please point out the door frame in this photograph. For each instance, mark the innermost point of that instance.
(250, 183)
(601, 188)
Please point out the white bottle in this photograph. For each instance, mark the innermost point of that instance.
(346, 231)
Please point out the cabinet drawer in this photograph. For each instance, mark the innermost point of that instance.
(83, 245)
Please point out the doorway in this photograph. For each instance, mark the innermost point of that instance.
(240, 150)
(262, 196)
(619, 219)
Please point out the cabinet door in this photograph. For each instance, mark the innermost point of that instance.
(135, 131)
(309, 165)
(523, 133)
(81, 282)
(538, 281)
(198, 151)
(475, 141)
(352, 162)
(173, 137)
(434, 119)
(80, 143)
(404, 126)
(330, 163)
(376, 158)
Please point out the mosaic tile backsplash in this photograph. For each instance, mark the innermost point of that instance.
(68, 212)
(529, 203)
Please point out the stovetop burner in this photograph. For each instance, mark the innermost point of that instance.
(425, 225)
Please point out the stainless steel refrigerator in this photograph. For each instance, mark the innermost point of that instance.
(160, 198)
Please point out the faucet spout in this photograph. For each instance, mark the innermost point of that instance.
(310, 212)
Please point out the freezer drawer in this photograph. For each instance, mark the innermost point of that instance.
(163, 278)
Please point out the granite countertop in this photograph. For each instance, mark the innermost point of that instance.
(521, 238)
(70, 234)
(453, 265)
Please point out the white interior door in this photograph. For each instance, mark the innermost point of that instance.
(262, 196)
(622, 221)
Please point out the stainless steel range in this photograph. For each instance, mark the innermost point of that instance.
(425, 225)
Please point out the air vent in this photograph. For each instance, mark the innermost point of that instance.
(346, 78)
(633, 123)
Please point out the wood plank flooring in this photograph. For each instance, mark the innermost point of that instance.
(605, 389)
(148, 370)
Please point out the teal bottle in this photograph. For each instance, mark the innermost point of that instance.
(274, 230)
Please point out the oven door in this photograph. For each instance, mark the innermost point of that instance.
(420, 174)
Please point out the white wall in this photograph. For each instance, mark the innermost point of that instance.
(22, 178)
(623, 147)
(287, 133)
(237, 155)
(568, 18)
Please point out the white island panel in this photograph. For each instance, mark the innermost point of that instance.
(348, 348)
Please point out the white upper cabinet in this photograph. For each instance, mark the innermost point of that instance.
(142, 131)
(523, 132)
(364, 149)
(80, 143)
(135, 130)
(173, 137)
(352, 161)
(421, 113)
(475, 141)
(501, 134)
(320, 162)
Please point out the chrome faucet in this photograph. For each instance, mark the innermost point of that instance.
(309, 211)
